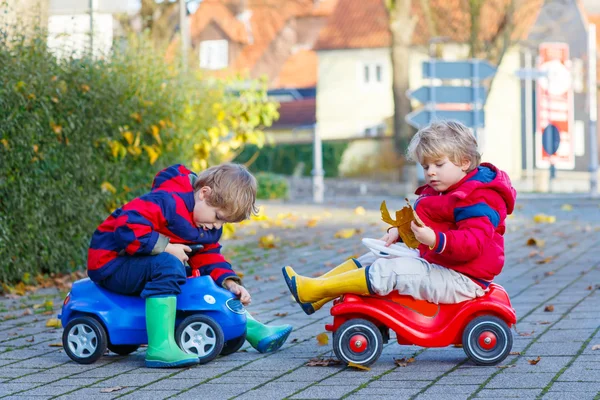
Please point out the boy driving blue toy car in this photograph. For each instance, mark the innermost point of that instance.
(141, 248)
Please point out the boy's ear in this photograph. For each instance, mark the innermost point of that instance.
(204, 192)
(466, 164)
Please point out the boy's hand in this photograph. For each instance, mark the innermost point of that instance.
(425, 234)
(391, 237)
(238, 290)
(178, 250)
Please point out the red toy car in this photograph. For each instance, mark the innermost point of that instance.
(361, 325)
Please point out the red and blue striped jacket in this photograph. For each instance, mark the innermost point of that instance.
(468, 219)
(145, 226)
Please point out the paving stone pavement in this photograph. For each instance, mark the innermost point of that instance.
(565, 273)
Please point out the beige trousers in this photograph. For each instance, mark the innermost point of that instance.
(418, 278)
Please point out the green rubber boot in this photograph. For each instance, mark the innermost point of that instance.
(162, 351)
(263, 338)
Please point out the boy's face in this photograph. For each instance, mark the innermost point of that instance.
(443, 173)
(205, 216)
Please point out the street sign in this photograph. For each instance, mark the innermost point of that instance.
(469, 69)
(424, 116)
(550, 139)
(448, 94)
(555, 106)
(530, 73)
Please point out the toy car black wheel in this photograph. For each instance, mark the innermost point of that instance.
(233, 345)
(200, 335)
(358, 341)
(487, 340)
(84, 340)
(123, 349)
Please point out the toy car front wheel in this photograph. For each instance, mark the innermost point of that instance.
(123, 349)
(84, 340)
(200, 335)
(233, 345)
(358, 341)
(487, 340)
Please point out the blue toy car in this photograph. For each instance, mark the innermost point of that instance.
(210, 321)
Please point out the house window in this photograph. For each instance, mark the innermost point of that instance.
(371, 73)
(214, 54)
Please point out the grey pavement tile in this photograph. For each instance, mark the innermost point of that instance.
(508, 393)
(566, 335)
(142, 394)
(324, 392)
(103, 372)
(48, 389)
(425, 396)
(455, 379)
(19, 354)
(90, 394)
(10, 388)
(379, 384)
(10, 371)
(383, 393)
(43, 362)
(410, 376)
(569, 323)
(546, 364)
(285, 388)
(532, 380)
(261, 394)
(451, 389)
(129, 380)
(307, 374)
(39, 377)
(553, 349)
(580, 375)
(214, 391)
(197, 373)
(552, 395)
(243, 379)
(174, 384)
(575, 386)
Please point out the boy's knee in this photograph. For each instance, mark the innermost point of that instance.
(168, 265)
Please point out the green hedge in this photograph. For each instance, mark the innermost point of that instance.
(271, 186)
(79, 137)
(283, 158)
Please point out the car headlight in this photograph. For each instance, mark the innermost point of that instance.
(236, 306)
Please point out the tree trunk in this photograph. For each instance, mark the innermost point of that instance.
(402, 24)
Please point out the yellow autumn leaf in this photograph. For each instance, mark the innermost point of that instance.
(152, 154)
(5, 143)
(268, 241)
(35, 148)
(128, 137)
(312, 222)
(56, 128)
(228, 231)
(358, 366)
(53, 323)
(567, 207)
(107, 187)
(156, 134)
(345, 233)
(322, 339)
(360, 210)
(543, 218)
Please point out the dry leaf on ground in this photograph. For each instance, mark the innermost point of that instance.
(596, 347)
(360, 210)
(515, 353)
(322, 362)
(112, 389)
(535, 242)
(403, 362)
(506, 366)
(358, 366)
(53, 323)
(544, 219)
(566, 207)
(346, 233)
(534, 362)
(549, 308)
(55, 345)
(281, 314)
(322, 339)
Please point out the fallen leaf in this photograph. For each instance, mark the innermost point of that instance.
(281, 314)
(268, 241)
(545, 260)
(27, 311)
(55, 345)
(358, 366)
(515, 353)
(458, 345)
(53, 323)
(506, 366)
(543, 218)
(322, 362)
(549, 308)
(312, 222)
(535, 242)
(112, 389)
(596, 347)
(360, 210)
(544, 322)
(548, 273)
(30, 340)
(566, 207)
(345, 233)
(322, 339)
(534, 362)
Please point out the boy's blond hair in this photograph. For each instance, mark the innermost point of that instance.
(444, 139)
(233, 190)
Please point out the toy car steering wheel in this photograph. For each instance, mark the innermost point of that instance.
(379, 248)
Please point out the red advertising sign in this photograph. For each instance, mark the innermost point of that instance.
(555, 105)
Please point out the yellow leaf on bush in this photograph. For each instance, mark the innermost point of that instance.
(53, 323)
(107, 187)
(360, 210)
(345, 233)
(156, 134)
(5, 143)
(152, 154)
(323, 339)
(128, 137)
(358, 366)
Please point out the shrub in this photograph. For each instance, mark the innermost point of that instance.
(271, 186)
(79, 137)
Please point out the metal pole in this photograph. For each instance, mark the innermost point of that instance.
(593, 104)
(91, 3)
(477, 104)
(432, 59)
(317, 172)
(185, 35)
(529, 119)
